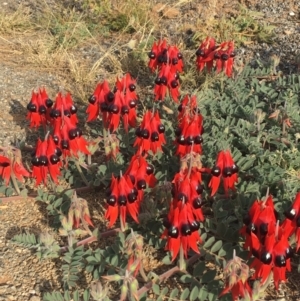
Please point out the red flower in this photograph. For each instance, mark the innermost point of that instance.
(5, 169)
(114, 105)
(188, 107)
(181, 230)
(64, 107)
(291, 224)
(39, 108)
(223, 55)
(162, 54)
(140, 172)
(69, 137)
(168, 60)
(190, 128)
(260, 220)
(123, 198)
(157, 55)
(226, 169)
(267, 241)
(12, 165)
(206, 48)
(99, 102)
(46, 160)
(183, 221)
(274, 255)
(124, 104)
(189, 135)
(175, 59)
(167, 81)
(150, 134)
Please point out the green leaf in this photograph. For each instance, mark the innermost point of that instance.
(174, 294)
(115, 260)
(92, 260)
(86, 295)
(194, 293)
(164, 291)
(58, 202)
(24, 192)
(203, 236)
(102, 169)
(156, 289)
(184, 295)
(167, 260)
(199, 269)
(208, 276)
(187, 278)
(76, 296)
(209, 242)
(203, 293)
(67, 296)
(217, 246)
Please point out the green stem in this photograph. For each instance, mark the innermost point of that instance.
(15, 184)
(92, 238)
(81, 173)
(182, 263)
(122, 223)
(89, 159)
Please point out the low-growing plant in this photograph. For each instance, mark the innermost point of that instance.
(208, 177)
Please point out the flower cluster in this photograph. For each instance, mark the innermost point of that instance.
(183, 221)
(126, 191)
(210, 54)
(167, 60)
(113, 105)
(66, 138)
(46, 160)
(66, 134)
(292, 222)
(64, 107)
(190, 129)
(150, 134)
(224, 169)
(69, 137)
(267, 242)
(39, 108)
(11, 166)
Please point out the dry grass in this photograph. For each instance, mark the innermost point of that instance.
(18, 21)
(104, 38)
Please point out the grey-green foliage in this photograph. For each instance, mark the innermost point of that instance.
(236, 116)
(46, 246)
(110, 260)
(73, 259)
(67, 296)
(57, 204)
(240, 115)
(26, 239)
